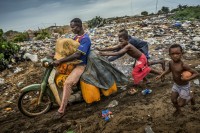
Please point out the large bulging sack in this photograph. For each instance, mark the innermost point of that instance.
(65, 47)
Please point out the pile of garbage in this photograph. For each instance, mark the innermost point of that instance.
(159, 31)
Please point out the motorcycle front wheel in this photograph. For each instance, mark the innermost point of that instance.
(28, 103)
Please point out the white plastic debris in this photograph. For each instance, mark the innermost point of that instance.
(20, 84)
(196, 82)
(32, 57)
(17, 69)
(196, 39)
(123, 87)
(148, 129)
(197, 66)
(112, 104)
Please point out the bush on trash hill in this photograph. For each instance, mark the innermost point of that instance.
(186, 12)
(96, 22)
(7, 51)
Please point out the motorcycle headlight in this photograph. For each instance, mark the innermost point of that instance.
(45, 64)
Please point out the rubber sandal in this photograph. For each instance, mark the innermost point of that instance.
(132, 91)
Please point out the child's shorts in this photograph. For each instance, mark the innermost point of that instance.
(183, 91)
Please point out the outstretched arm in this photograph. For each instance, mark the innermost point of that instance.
(164, 73)
(120, 52)
(109, 48)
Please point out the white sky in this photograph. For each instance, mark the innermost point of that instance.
(21, 15)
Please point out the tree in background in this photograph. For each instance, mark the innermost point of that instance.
(144, 13)
(1, 33)
(182, 7)
(186, 12)
(96, 22)
(151, 13)
(164, 10)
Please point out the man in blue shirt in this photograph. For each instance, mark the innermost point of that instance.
(81, 54)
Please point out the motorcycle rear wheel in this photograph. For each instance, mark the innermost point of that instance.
(27, 103)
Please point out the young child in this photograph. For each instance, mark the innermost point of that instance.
(141, 68)
(181, 89)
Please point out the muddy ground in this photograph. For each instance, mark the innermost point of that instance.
(131, 115)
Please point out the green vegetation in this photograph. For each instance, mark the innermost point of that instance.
(21, 37)
(182, 12)
(7, 50)
(144, 13)
(164, 10)
(96, 22)
(42, 34)
(186, 12)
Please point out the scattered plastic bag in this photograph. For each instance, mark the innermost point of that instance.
(106, 114)
(146, 91)
(32, 57)
(148, 129)
(196, 82)
(18, 69)
(112, 104)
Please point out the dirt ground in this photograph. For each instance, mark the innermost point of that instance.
(131, 115)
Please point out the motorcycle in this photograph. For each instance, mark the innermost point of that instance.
(37, 99)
